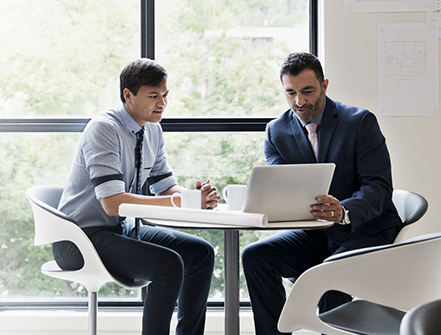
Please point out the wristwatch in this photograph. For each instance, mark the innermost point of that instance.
(346, 219)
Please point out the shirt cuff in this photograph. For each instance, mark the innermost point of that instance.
(163, 185)
(109, 188)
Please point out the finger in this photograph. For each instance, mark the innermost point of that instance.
(206, 182)
(328, 214)
(321, 207)
(328, 199)
(323, 199)
(197, 185)
(206, 188)
(212, 197)
(211, 204)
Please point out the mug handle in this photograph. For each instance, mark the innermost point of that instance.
(173, 195)
(224, 194)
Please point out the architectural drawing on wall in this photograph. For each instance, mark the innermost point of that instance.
(405, 58)
(408, 81)
(434, 16)
(389, 5)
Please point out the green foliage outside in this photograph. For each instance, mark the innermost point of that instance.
(63, 58)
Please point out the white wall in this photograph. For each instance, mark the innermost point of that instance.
(349, 56)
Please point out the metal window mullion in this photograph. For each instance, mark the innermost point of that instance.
(148, 29)
(313, 27)
(29, 125)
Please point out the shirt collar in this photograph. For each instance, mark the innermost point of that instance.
(128, 121)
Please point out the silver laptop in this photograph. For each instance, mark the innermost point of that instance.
(286, 192)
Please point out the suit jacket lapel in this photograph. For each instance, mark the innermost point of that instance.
(327, 128)
(302, 140)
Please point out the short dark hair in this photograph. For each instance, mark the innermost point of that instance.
(299, 61)
(141, 72)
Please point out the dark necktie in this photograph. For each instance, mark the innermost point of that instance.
(138, 165)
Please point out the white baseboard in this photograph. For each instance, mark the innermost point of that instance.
(109, 323)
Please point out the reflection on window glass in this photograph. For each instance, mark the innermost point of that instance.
(223, 57)
(64, 57)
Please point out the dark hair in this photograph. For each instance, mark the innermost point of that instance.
(300, 61)
(141, 72)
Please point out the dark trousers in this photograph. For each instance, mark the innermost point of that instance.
(284, 255)
(179, 266)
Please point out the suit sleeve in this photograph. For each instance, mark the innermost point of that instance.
(373, 167)
(272, 155)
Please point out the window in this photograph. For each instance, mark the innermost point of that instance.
(63, 58)
(60, 64)
(223, 57)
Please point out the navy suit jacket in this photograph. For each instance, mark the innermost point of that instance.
(351, 138)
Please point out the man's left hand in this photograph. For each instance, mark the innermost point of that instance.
(209, 197)
(327, 208)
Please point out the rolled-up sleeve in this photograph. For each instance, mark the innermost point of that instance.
(102, 155)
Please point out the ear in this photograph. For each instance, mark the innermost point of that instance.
(127, 96)
(325, 85)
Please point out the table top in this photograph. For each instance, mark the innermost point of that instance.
(212, 219)
(313, 224)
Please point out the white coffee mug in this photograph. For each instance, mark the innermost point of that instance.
(189, 199)
(234, 196)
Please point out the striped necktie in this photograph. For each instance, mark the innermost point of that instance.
(138, 165)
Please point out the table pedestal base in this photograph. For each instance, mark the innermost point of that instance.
(231, 264)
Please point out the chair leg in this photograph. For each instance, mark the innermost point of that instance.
(93, 312)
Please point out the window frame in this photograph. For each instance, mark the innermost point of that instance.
(193, 124)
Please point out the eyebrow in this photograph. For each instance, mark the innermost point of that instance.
(310, 87)
(154, 92)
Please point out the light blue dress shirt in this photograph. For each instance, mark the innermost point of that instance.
(104, 165)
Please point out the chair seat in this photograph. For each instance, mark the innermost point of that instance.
(51, 266)
(52, 269)
(128, 282)
(364, 317)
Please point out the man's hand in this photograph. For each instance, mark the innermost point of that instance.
(328, 208)
(209, 197)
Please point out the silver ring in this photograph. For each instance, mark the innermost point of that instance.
(332, 214)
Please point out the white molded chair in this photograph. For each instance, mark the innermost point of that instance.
(390, 280)
(385, 281)
(51, 225)
(410, 206)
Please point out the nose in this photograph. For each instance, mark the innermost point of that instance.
(300, 100)
(162, 102)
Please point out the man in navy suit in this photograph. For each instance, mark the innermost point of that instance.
(359, 199)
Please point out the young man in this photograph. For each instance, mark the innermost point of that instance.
(104, 174)
(360, 199)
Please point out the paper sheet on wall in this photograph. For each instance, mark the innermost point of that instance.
(434, 16)
(408, 77)
(389, 5)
